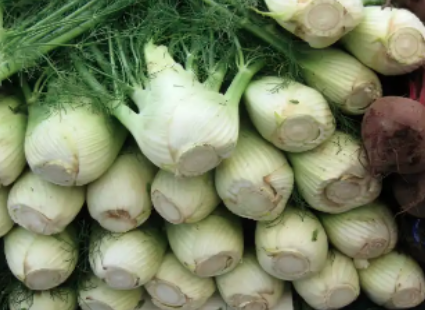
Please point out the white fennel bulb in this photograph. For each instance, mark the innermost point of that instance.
(6, 223)
(202, 124)
(391, 41)
(71, 144)
(248, 286)
(216, 302)
(126, 260)
(210, 247)
(43, 207)
(256, 181)
(184, 200)
(333, 177)
(341, 78)
(12, 136)
(394, 281)
(120, 199)
(294, 117)
(55, 299)
(294, 246)
(94, 294)
(319, 23)
(334, 287)
(175, 287)
(362, 233)
(41, 262)
(286, 302)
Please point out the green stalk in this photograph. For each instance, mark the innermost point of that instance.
(216, 78)
(242, 79)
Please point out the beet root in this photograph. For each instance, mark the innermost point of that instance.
(409, 191)
(393, 134)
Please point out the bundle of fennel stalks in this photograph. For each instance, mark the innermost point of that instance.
(198, 154)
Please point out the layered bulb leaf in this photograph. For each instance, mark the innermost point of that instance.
(390, 41)
(201, 123)
(362, 233)
(248, 286)
(394, 281)
(60, 298)
(12, 136)
(262, 191)
(292, 247)
(73, 146)
(126, 260)
(333, 177)
(41, 262)
(96, 294)
(120, 199)
(175, 287)
(319, 23)
(210, 247)
(294, 117)
(43, 207)
(184, 200)
(6, 223)
(334, 287)
(341, 78)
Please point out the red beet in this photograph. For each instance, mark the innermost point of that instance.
(393, 133)
(409, 191)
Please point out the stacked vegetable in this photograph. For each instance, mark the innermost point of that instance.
(199, 155)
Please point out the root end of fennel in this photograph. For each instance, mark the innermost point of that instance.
(406, 46)
(214, 265)
(197, 160)
(324, 18)
(337, 297)
(119, 220)
(58, 172)
(405, 298)
(361, 97)
(291, 263)
(166, 293)
(43, 279)
(300, 129)
(120, 278)
(33, 220)
(166, 208)
(248, 302)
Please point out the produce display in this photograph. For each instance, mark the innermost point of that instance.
(212, 154)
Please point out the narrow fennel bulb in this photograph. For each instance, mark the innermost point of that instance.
(175, 287)
(362, 233)
(94, 294)
(334, 287)
(210, 247)
(72, 146)
(248, 286)
(59, 298)
(319, 23)
(6, 223)
(120, 199)
(126, 260)
(292, 247)
(341, 78)
(391, 41)
(184, 200)
(41, 262)
(394, 281)
(256, 181)
(43, 207)
(333, 177)
(12, 136)
(294, 117)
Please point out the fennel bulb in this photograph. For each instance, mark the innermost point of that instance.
(43, 207)
(334, 287)
(120, 199)
(342, 79)
(365, 232)
(292, 247)
(94, 294)
(210, 247)
(126, 260)
(394, 281)
(333, 177)
(319, 23)
(184, 200)
(294, 117)
(56, 299)
(256, 181)
(71, 147)
(175, 287)
(248, 286)
(6, 223)
(216, 302)
(391, 41)
(201, 124)
(41, 262)
(12, 136)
